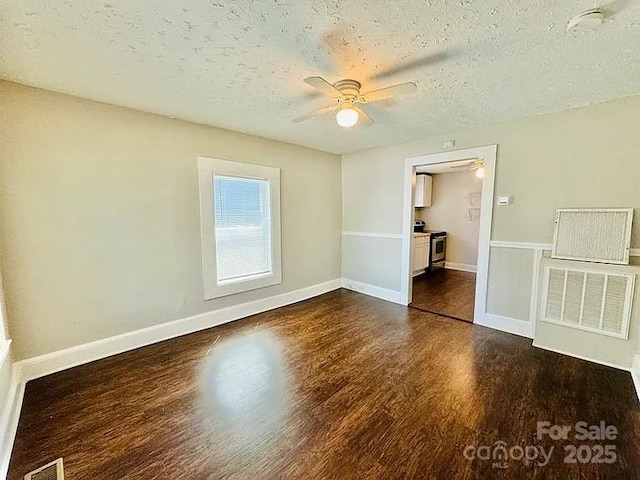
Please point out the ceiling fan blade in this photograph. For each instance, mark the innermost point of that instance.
(615, 7)
(387, 92)
(415, 64)
(363, 117)
(325, 87)
(315, 113)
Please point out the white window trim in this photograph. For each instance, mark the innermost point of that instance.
(207, 167)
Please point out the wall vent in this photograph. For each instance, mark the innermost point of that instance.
(593, 235)
(595, 301)
(50, 471)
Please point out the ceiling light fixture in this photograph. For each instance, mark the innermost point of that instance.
(347, 117)
(480, 172)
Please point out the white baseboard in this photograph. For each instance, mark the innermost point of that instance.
(373, 291)
(463, 267)
(70, 357)
(10, 416)
(635, 373)
(505, 324)
(581, 357)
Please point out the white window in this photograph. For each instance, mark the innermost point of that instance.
(240, 226)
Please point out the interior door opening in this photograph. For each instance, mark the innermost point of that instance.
(448, 207)
(445, 237)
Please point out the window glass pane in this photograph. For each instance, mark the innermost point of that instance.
(242, 210)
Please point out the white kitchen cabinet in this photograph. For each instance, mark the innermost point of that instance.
(421, 247)
(424, 187)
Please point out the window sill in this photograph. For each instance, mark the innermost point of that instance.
(243, 285)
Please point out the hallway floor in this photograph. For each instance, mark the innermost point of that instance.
(446, 292)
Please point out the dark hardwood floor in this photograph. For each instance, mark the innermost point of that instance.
(445, 292)
(342, 386)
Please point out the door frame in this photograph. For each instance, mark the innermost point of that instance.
(489, 154)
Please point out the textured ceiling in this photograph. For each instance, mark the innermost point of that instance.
(240, 64)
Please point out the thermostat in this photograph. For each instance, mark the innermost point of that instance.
(504, 200)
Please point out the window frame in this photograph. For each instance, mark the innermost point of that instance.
(207, 168)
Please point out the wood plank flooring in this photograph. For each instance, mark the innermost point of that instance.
(445, 292)
(342, 386)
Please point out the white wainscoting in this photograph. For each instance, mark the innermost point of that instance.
(517, 325)
(503, 323)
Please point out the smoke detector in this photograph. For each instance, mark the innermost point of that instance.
(586, 20)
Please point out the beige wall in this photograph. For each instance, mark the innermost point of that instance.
(450, 211)
(586, 157)
(99, 217)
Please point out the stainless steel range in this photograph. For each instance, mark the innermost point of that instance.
(438, 251)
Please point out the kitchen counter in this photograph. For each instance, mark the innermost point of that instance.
(421, 234)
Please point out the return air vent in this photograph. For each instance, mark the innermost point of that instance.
(593, 235)
(51, 471)
(595, 301)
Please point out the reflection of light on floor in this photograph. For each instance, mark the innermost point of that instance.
(244, 387)
(463, 374)
(463, 386)
(242, 378)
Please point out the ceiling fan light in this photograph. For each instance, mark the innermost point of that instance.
(347, 117)
(480, 172)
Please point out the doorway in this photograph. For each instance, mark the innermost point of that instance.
(458, 293)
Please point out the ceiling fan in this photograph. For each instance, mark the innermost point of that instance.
(597, 15)
(477, 165)
(347, 99)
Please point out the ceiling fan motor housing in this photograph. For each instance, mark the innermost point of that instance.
(348, 87)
